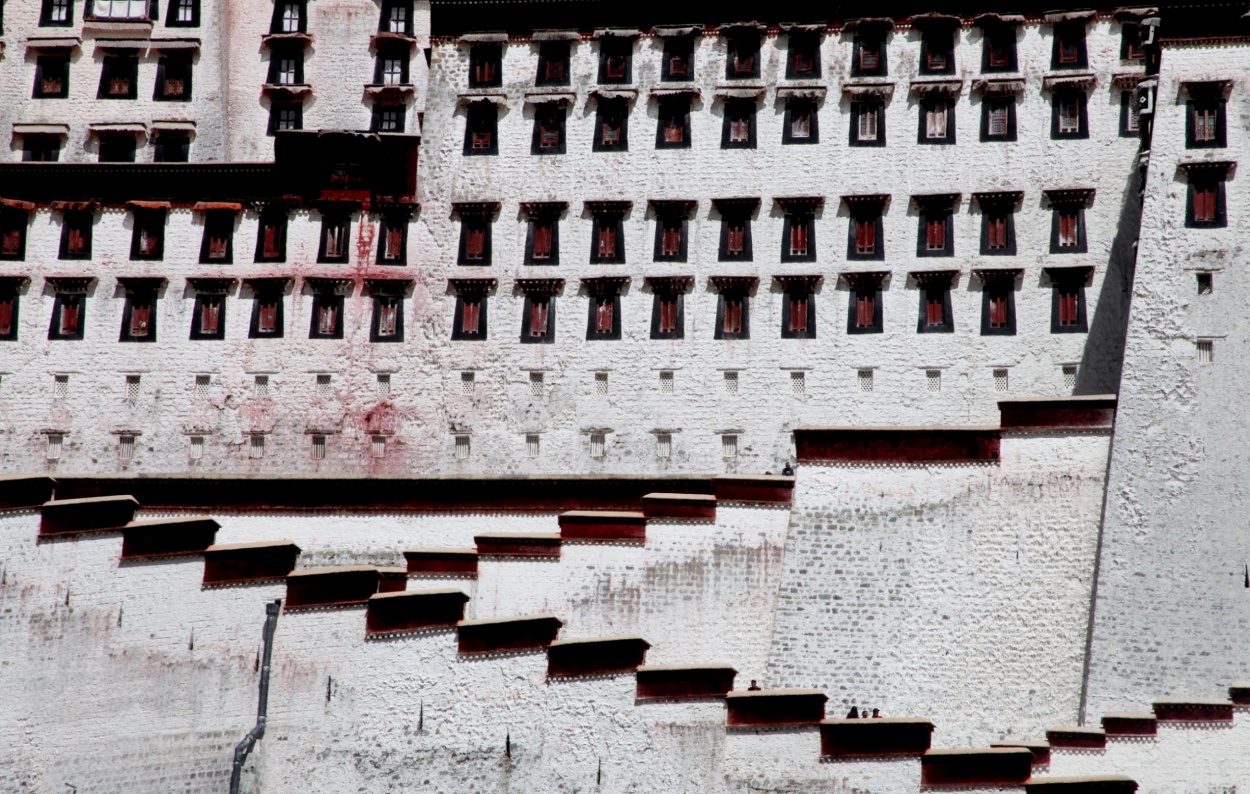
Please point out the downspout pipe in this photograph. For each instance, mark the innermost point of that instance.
(249, 741)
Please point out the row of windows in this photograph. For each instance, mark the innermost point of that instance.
(119, 77)
(803, 53)
(865, 316)
(180, 13)
(168, 146)
(147, 241)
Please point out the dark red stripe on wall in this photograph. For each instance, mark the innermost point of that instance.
(897, 445)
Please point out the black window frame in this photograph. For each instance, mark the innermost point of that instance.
(1005, 36)
(553, 113)
(1007, 211)
(171, 15)
(275, 22)
(788, 296)
(1005, 288)
(485, 53)
(787, 130)
(1082, 98)
(549, 337)
(931, 102)
(171, 146)
(386, 53)
(468, 222)
(117, 147)
(735, 109)
(180, 64)
(1192, 106)
(730, 215)
(41, 148)
(384, 19)
(14, 219)
(115, 64)
(553, 52)
(743, 40)
(375, 320)
(260, 297)
(281, 220)
(926, 215)
(477, 116)
(216, 221)
(153, 221)
(677, 47)
(803, 42)
(11, 293)
(858, 108)
(987, 104)
(42, 64)
(875, 40)
(1069, 281)
(724, 297)
(343, 220)
(664, 221)
(937, 37)
(926, 288)
(457, 329)
(1130, 38)
(134, 298)
(791, 218)
(1128, 104)
(592, 334)
(668, 108)
(597, 222)
(70, 218)
(378, 123)
(45, 15)
(1082, 241)
(611, 108)
(1194, 182)
(1075, 28)
(541, 219)
(276, 109)
(386, 222)
(611, 47)
(659, 297)
(62, 299)
(870, 213)
(202, 298)
(322, 298)
(279, 52)
(858, 286)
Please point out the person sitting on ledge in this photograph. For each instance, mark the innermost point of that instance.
(788, 471)
(754, 686)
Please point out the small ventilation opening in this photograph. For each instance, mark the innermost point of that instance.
(60, 386)
(466, 382)
(865, 380)
(257, 449)
(125, 448)
(728, 446)
(260, 385)
(731, 382)
(1000, 380)
(323, 385)
(598, 445)
(1206, 351)
(195, 450)
(1069, 376)
(664, 446)
(1205, 284)
(532, 445)
(601, 383)
(202, 384)
(377, 447)
(462, 447)
(666, 382)
(53, 451)
(384, 383)
(536, 384)
(132, 387)
(798, 383)
(933, 379)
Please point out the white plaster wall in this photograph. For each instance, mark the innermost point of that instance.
(971, 609)
(1172, 611)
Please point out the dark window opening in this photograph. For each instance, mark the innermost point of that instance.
(674, 125)
(217, 246)
(393, 240)
(607, 245)
(739, 125)
(998, 52)
(798, 313)
(485, 65)
(1068, 230)
(998, 306)
(936, 238)
(475, 241)
(867, 124)
(271, 238)
(799, 238)
(118, 77)
(998, 119)
(538, 322)
(1131, 48)
(603, 322)
(935, 306)
(13, 223)
(611, 125)
(67, 316)
(733, 315)
(553, 63)
(396, 17)
(1206, 203)
(267, 322)
(1068, 306)
(864, 315)
(289, 16)
(670, 237)
(388, 118)
(171, 147)
(1069, 115)
(937, 52)
(286, 65)
(548, 129)
(735, 231)
(286, 116)
(1205, 127)
(51, 77)
(868, 56)
(173, 79)
(336, 236)
(743, 62)
(542, 239)
(678, 63)
(616, 57)
(56, 13)
(41, 148)
(1069, 52)
(937, 120)
(147, 241)
(998, 231)
(480, 130)
(183, 14)
(117, 147)
(208, 318)
(803, 61)
(391, 66)
(800, 122)
(469, 322)
(387, 324)
(139, 317)
(867, 238)
(76, 234)
(327, 315)
(668, 315)
(8, 313)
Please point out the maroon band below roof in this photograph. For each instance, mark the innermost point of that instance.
(106, 514)
(897, 445)
(167, 538)
(507, 635)
(999, 766)
(414, 610)
(253, 562)
(25, 491)
(775, 707)
(351, 585)
(596, 657)
(1088, 739)
(1057, 413)
(684, 682)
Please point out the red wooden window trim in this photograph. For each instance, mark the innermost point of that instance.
(1069, 114)
(119, 86)
(998, 309)
(936, 120)
(549, 134)
(865, 308)
(7, 302)
(743, 63)
(801, 122)
(70, 312)
(327, 317)
(336, 240)
(866, 123)
(393, 242)
(1205, 197)
(470, 315)
(140, 317)
(1068, 303)
(604, 309)
(1069, 234)
(865, 235)
(732, 317)
(388, 317)
(267, 317)
(611, 133)
(668, 314)
(271, 238)
(935, 306)
(538, 315)
(1069, 47)
(614, 66)
(481, 135)
(484, 67)
(804, 61)
(149, 242)
(997, 122)
(218, 243)
(554, 70)
(868, 59)
(542, 240)
(670, 244)
(210, 315)
(677, 65)
(740, 127)
(607, 239)
(674, 127)
(77, 242)
(11, 242)
(936, 58)
(1000, 55)
(475, 242)
(798, 236)
(1206, 119)
(935, 234)
(996, 232)
(736, 237)
(798, 313)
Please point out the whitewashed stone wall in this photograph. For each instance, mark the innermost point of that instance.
(1173, 610)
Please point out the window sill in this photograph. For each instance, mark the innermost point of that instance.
(287, 90)
(740, 91)
(1083, 80)
(118, 26)
(936, 86)
(391, 92)
(998, 86)
(875, 89)
(270, 39)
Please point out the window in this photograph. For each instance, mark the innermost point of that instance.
(664, 446)
(327, 312)
(482, 121)
(117, 147)
(611, 125)
(256, 449)
(139, 316)
(195, 449)
(8, 310)
(318, 447)
(1068, 300)
(743, 60)
(598, 446)
(147, 240)
(1206, 351)
(1068, 230)
(607, 243)
(998, 119)
(798, 383)
(604, 322)
(118, 9)
(391, 67)
(475, 238)
(1131, 48)
(666, 382)
(462, 448)
(803, 56)
(670, 232)
(616, 57)
(336, 236)
(173, 79)
(739, 125)
(937, 51)
(668, 309)
(731, 382)
(733, 308)
(868, 55)
(13, 223)
(601, 383)
(936, 236)
(799, 237)
(1069, 52)
(67, 315)
(467, 380)
(383, 381)
(935, 303)
(56, 13)
(536, 384)
(1130, 115)
(260, 385)
(998, 310)
(542, 239)
(118, 77)
(998, 227)
(388, 319)
(271, 237)
(171, 147)
(1206, 200)
(553, 63)
(51, 77)
(286, 65)
(183, 14)
(41, 148)
(1000, 379)
(532, 445)
(208, 318)
(933, 380)
(469, 322)
(393, 239)
(267, 319)
(1206, 124)
(1205, 283)
(538, 323)
(864, 315)
(674, 124)
(866, 238)
(867, 124)
(678, 63)
(1069, 115)
(728, 446)
(799, 124)
(798, 309)
(998, 48)
(54, 445)
(937, 120)
(548, 129)
(76, 234)
(60, 387)
(289, 17)
(285, 116)
(396, 17)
